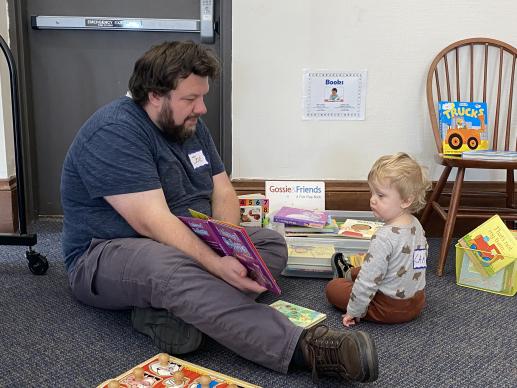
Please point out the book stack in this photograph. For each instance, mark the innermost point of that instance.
(486, 258)
(312, 247)
(504, 156)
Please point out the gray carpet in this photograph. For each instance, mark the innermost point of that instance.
(465, 338)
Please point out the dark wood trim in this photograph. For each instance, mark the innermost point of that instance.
(8, 206)
(355, 195)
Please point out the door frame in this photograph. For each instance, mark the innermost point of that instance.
(19, 25)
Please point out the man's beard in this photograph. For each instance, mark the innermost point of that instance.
(178, 133)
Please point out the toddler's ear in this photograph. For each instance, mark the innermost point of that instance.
(407, 202)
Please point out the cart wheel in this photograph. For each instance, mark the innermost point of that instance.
(38, 263)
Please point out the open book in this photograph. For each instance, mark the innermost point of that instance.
(232, 240)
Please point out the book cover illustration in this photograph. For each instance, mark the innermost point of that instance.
(302, 217)
(232, 240)
(364, 229)
(300, 316)
(329, 229)
(492, 244)
(310, 251)
(309, 254)
(463, 126)
(254, 210)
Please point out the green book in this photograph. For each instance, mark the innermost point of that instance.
(300, 316)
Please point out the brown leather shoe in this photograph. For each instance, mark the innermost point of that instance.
(349, 354)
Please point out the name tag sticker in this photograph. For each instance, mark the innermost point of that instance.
(197, 159)
(420, 258)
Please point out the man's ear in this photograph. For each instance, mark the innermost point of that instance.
(154, 98)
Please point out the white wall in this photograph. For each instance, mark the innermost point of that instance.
(396, 40)
(7, 164)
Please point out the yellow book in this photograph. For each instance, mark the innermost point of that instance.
(493, 244)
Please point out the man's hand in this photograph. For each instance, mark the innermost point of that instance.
(349, 321)
(234, 273)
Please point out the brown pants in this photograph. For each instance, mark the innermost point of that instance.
(382, 308)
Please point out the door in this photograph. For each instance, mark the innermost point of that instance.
(71, 73)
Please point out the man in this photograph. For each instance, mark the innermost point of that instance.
(136, 165)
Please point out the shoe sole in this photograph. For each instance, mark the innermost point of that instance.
(336, 270)
(369, 358)
(169, 333)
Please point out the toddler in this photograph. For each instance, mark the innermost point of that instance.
(389, 286)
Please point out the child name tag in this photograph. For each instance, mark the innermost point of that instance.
(197, 159)
(420, 258)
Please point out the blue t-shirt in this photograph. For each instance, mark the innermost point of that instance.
(120, 150)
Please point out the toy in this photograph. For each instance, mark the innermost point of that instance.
(163, 370)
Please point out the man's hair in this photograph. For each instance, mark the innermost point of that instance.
(161, 67)
(405, 175)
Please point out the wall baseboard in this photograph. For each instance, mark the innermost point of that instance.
(355, 195)
(8, 206)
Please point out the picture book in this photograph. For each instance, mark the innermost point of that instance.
(364, 229)
(232, 240)
(300, 316)
(330, 228)
(254, 210)
(302, 217)
(356, 259)
(305, 271)
(309, 254)
(492, 244)
(463, 126)
(470, 276)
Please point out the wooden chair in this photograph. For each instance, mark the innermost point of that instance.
(477, 69)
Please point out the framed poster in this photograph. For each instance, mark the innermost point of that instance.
(334, 95)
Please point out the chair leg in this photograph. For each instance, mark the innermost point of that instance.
(435, 195)
(510, 189)
(451, 220)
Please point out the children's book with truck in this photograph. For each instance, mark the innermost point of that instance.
(463, 126)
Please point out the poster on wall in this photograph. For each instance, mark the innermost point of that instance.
(334, 95)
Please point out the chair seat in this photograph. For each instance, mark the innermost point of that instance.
(471, 163)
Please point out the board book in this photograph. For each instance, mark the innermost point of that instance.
(491, 246)
(163, 370)
(232, 240)
(463, 126)
(300, 316)
(301, 217)
(363, 229)
(254, 210)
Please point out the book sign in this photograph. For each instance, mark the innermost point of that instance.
(300, 194)
(334, 95)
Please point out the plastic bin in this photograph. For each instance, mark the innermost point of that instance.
(503, 282)
(346, 245)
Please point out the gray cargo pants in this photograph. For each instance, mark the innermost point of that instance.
(126, 272)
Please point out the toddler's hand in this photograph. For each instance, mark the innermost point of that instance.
(349, 321)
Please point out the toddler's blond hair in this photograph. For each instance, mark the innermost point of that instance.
(404, 174)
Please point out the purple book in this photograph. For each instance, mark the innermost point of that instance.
(301, 217)
(232, 240)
